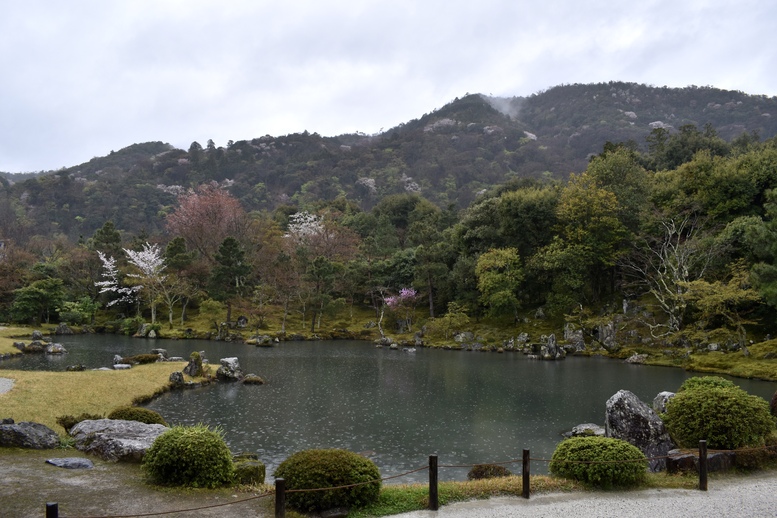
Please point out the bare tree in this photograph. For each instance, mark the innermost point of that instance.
(665, 263)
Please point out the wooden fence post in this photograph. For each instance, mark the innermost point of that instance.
(703, 465)
(525, 469)
(52, 510)
(280, 498)
(434, 499)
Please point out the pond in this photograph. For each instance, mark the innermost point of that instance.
(393, 406)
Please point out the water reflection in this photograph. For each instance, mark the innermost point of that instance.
(395, 407)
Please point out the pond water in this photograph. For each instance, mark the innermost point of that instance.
(395, 407)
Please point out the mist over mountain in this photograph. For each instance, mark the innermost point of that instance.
(448, 156)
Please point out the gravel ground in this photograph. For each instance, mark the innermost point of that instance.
(752, 496)
(5, 385)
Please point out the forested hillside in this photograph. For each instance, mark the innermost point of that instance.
(648, 209)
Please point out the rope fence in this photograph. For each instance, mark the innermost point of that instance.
(280, 492)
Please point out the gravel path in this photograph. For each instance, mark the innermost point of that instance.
(6, 384)
(751, 496)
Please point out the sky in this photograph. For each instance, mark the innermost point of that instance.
(82, 78)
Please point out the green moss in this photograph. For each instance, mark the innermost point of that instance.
(139, 414)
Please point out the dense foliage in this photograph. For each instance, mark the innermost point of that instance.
(715, 410)
(312, 469)
(193, 456)
(599, 461)
(139, 414)
(471, 212)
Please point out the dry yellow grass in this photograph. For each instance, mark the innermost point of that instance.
(43, 396)
(9, 335)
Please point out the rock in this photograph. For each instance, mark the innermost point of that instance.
(629, 419)
(71, 463)
(115, 439)
(20, 345)
(34, 347)
(176, 359)
(551, 351)
(680, 461)
(539, 314)
(335, 512)
(230, 370)
(63, 329)
(253, 379)
(55, 349)
(607, 337)
(194, 367)
(37, 336)
(464, 337)
(75, 368)
(121, 366)
(117, 358)
(143, 331)
(176, 378)
(586, 430)
(34, 436)
(635, 358)
(260, 340)
(151, 334)
(249, 471)
(660, 401)
(6, 420)
(242, 322)
(162, 353)
(713, 347)
(574, 337)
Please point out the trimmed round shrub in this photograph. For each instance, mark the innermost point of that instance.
(726, 417)
(481, 471)
(193, 456)
(704, 382)
(599, 461)
(137, 413)
(311, 469)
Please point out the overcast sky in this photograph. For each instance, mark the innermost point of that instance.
(82, 78)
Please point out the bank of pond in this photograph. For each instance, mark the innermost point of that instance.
(393, 406)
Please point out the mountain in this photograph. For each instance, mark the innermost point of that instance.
(448, 156)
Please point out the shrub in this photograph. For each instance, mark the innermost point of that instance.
(311, 469)
(726, 417)
(703, 382)
(194, 456)
(69, 421)
(599, 461)
(481, 471)
(249, 471)
(141, 359)
(136, 413)
(773, 405)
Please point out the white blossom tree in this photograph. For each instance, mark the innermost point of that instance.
(112, 284)
(150, 265)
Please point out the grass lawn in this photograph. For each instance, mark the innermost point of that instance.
(43, 396)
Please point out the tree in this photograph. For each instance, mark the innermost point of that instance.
(37, 301)
(150, 265)
(205, 217)
(112, 283)
(664, 264)
(229, 275)
(499, 275)
(727, 301)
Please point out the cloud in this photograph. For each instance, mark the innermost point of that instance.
(84, 77)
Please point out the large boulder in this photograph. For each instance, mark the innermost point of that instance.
(660, 401)
(629, 419)
(63, 329)
(28, 435)
(230, 370)
(115, 439)
(586, 430)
